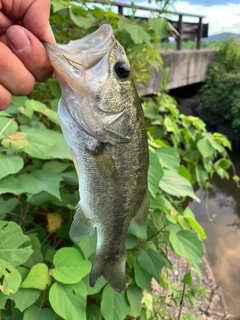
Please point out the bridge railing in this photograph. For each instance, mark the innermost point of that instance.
(186, 30)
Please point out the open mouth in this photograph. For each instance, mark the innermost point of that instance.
(85, 52)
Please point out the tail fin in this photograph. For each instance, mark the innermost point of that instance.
(112, 271)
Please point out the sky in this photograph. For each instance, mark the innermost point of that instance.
(222, 15)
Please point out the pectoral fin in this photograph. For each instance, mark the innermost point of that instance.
(103, 161)
(81, 227)
(143, 210)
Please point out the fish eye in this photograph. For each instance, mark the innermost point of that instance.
(122, 69)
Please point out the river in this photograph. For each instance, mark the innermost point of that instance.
(219, 214)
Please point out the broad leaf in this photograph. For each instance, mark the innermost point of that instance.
(40, 180)
(142, 278)
(159, 25)
(11, 278)
(190, 217)
(134, 295)
(70, 266)
(35, 313)
(69, 301)
(7, 206)
(7, 127)
(93, 312)
(176, 185)
(24, 298)
(151, 262)
(10, 164)
(137, 230)
(187, 244)
(38, 277)
(155, 173)
(3, 300)
(205, 148)
(113, 306)
(10, 185)
(169, 158)
(11, 238)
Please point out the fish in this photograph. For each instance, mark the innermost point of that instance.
(102, 121)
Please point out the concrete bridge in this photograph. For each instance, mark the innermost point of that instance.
(185, 67)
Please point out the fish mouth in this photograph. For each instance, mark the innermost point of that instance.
(81, 54)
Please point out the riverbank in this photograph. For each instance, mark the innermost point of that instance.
(216, 310)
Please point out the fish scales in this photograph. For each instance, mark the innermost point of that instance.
(103, 124)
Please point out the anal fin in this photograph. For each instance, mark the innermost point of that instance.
(143, 210)
(81, 227)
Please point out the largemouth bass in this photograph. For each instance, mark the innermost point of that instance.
(102, 121)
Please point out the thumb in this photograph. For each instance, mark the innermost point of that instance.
(30, 51)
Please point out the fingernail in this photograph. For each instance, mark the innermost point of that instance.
(18, 39)
(51, 35)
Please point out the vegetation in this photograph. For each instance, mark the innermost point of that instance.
(191, 45)
(43, 275)
(220, 93)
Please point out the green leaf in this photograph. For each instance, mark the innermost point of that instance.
(40, 180)
(3, 300)
(138, 33)
(7, 127)
(17, 141)
(201, 175)
(35, 313)
(151, 262)
(11, 277)
(80, 21)
(69, 301)
(142, 278)
(7, 206)
(205, 148)
(26, 112)
(221, 166)
(137, 230)
(11, 238)
(46, 144)
(88, 245)
(10, 164)
(134, 295)
(188, 279)
(70, 266)
(38, 277)
(155, 173)
(55, 166)
(190, 217)
(93, 312)
(10, 185)
(187, 244)
(113, 305)
(58, 5)
(24, 298)
(186, 316)
(97, 287)
(159, 25)
(183, 171)
(176, 185)
(169, 158)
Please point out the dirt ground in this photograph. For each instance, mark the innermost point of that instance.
(216, 310)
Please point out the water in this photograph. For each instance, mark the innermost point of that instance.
(219, 214)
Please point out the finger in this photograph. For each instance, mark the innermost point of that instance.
(13, 74)
(30, 51)
(33, 14)
(5, 98)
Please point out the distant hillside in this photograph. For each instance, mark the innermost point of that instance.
(222, 36)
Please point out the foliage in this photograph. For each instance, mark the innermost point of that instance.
(191, 45)
(220, 93)
(43, 275)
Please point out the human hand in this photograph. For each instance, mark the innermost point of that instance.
(23, 59)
